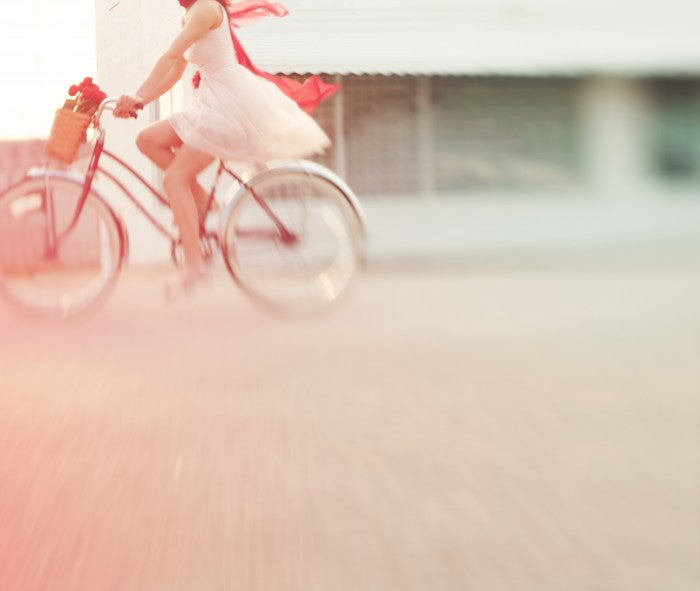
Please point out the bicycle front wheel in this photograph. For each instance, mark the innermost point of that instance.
(293, 241)
(52, 263)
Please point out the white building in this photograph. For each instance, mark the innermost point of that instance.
(474, 126)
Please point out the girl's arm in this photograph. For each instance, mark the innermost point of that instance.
(168, 80)
(203, 16)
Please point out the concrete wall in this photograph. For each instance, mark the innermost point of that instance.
(131, 35)
(16, 156)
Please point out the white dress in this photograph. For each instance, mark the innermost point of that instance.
(237, 115)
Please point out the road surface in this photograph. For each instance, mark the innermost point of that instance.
(446, 429)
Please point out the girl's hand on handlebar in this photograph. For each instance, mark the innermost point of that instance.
(127, 106)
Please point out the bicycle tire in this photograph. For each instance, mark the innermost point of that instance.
(78, 272)
(312, 273)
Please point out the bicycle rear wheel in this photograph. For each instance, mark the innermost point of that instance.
(47, 266)
(294, 241)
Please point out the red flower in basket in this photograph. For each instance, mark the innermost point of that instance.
(88, 97)
(196, 79)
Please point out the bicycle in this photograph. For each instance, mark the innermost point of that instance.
(292, 235)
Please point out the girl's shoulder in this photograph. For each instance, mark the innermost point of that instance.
(211, 6)
(210, 9)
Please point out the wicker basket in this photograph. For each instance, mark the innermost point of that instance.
(67, 133)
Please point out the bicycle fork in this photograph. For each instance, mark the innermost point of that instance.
(53, 238)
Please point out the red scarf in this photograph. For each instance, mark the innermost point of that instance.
(307, 94)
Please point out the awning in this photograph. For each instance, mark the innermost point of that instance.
(481, 37)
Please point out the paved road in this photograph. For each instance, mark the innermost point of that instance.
(475, 429)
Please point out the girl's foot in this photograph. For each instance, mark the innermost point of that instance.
(187, 283)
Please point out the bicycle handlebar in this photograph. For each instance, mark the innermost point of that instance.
(109, 103)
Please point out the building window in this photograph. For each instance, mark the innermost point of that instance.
(504, 132)
(381, 134)
(676, 147)
(451, 135)
(481, 133)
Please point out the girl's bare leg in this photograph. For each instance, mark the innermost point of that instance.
(177, 182)
(158, 142)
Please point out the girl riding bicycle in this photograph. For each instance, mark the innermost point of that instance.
(239, 113)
